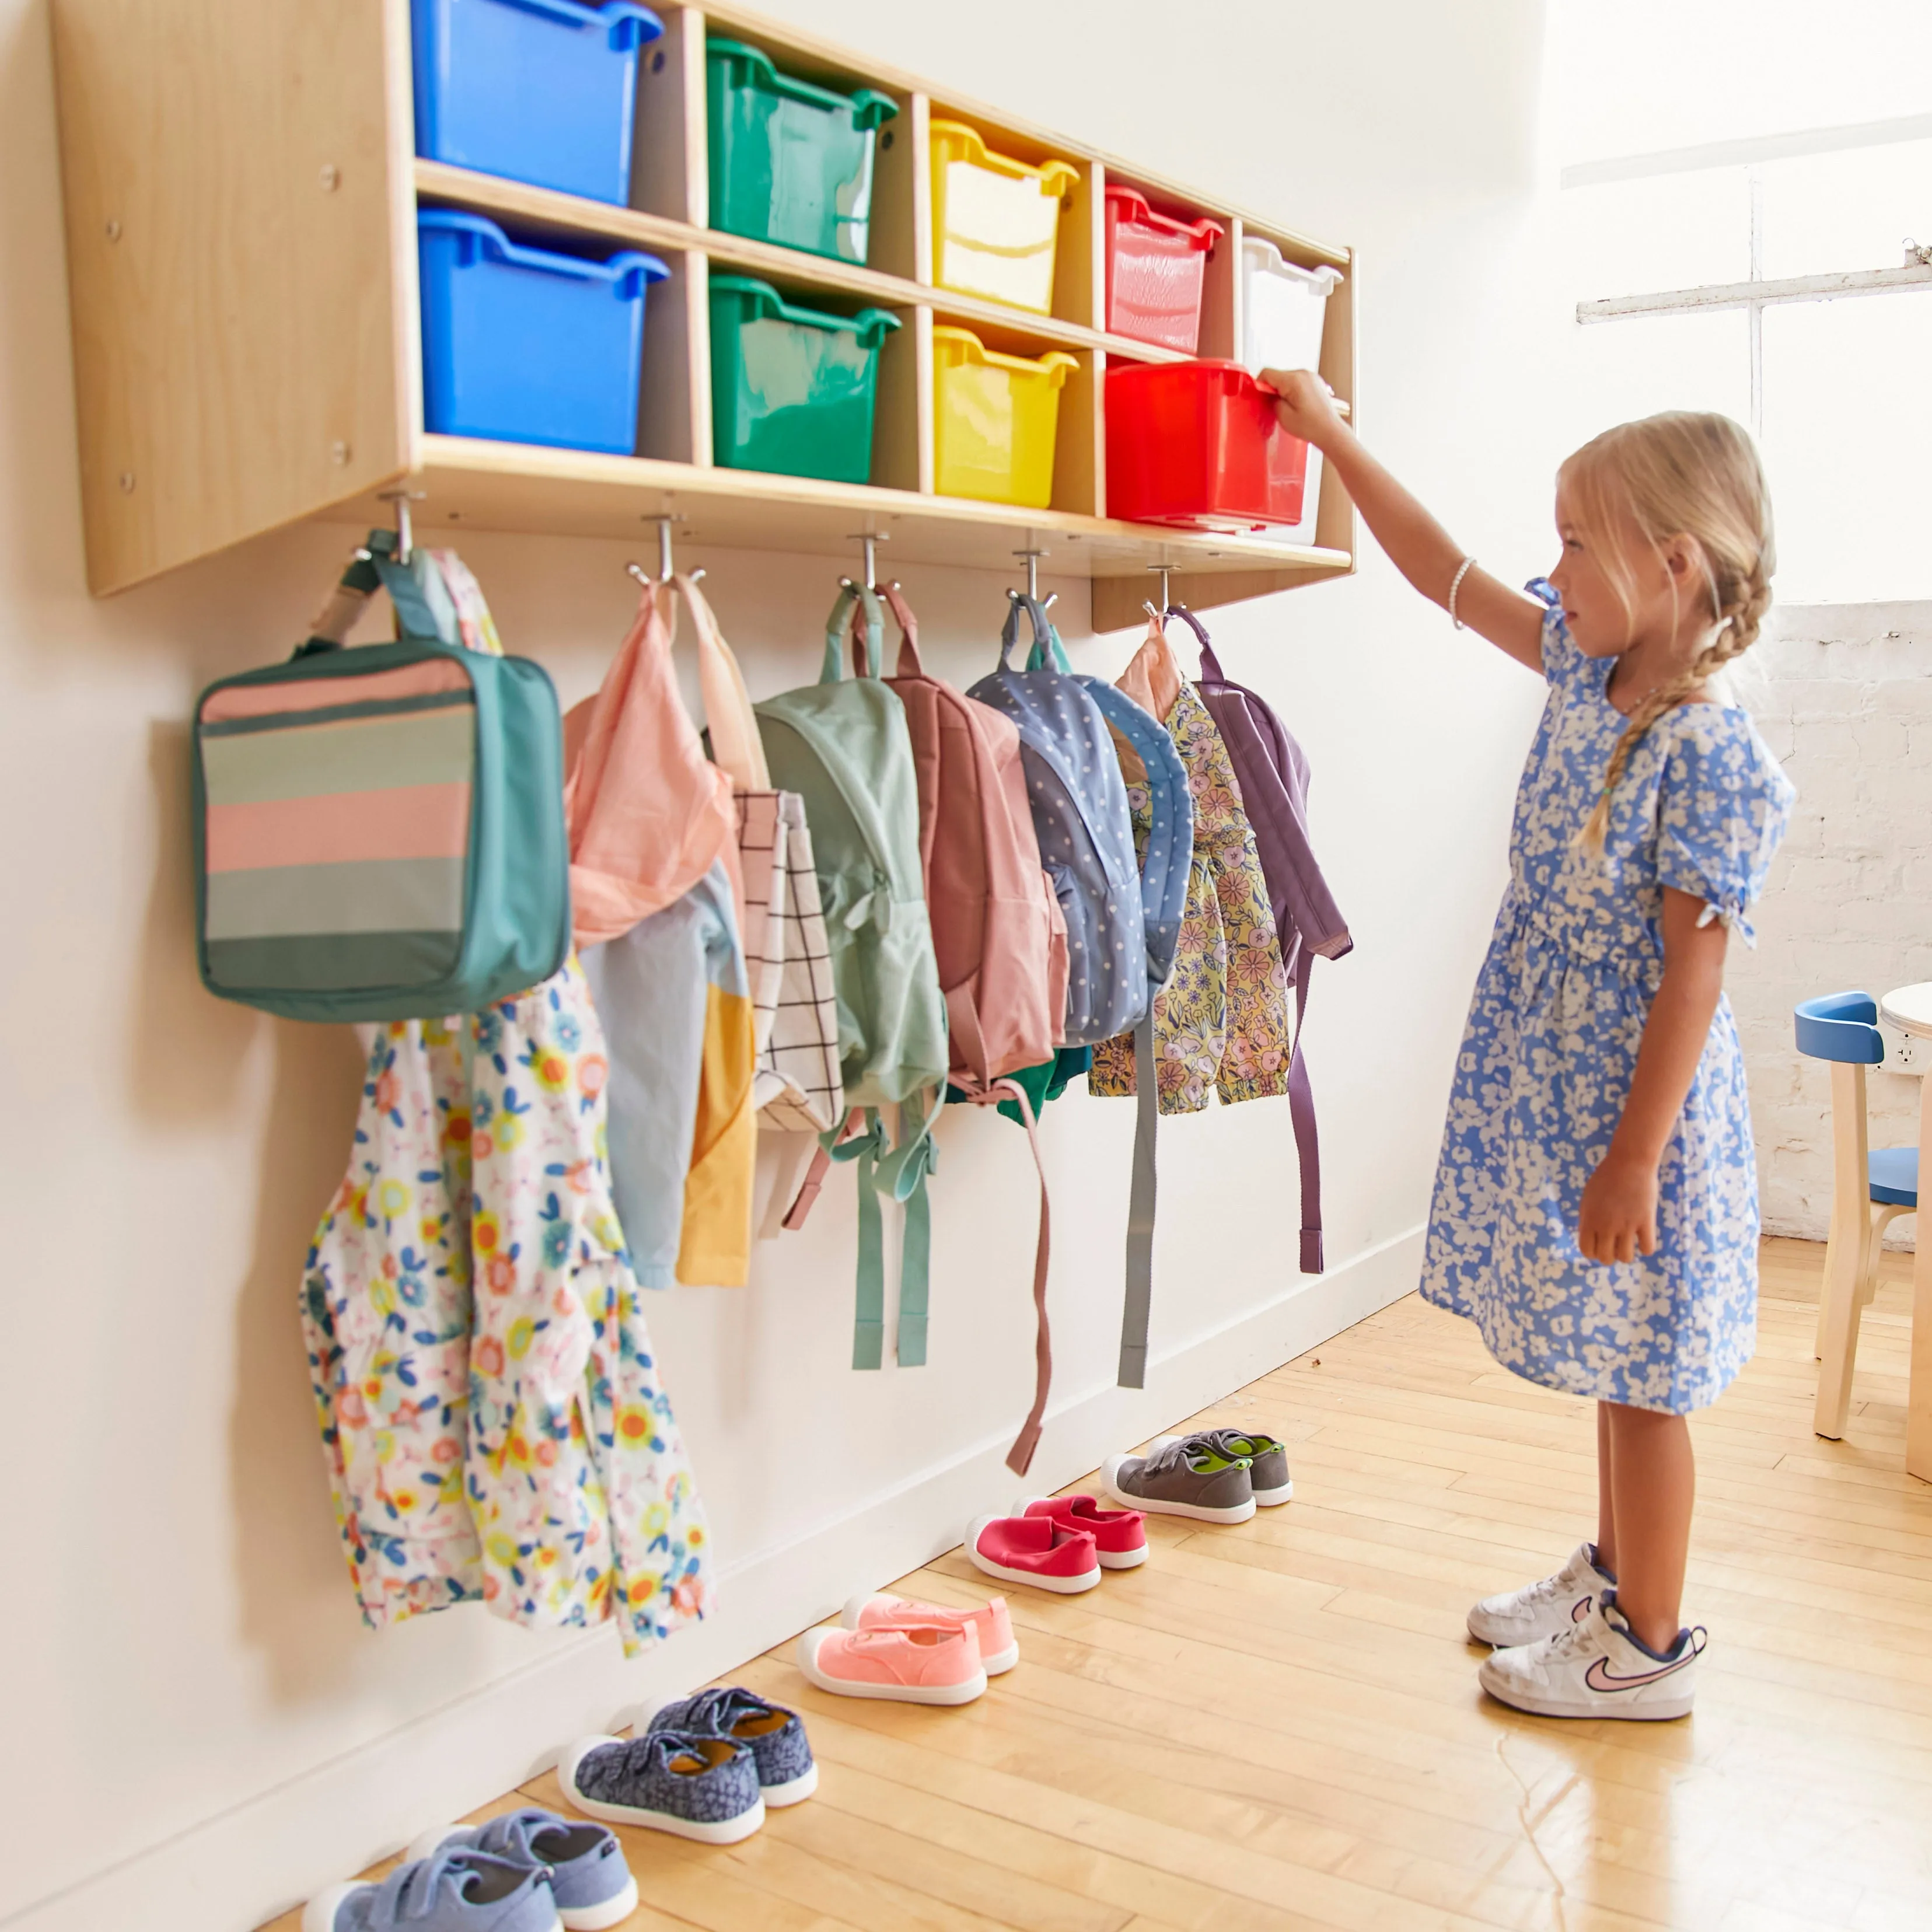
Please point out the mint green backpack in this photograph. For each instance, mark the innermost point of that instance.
(843, 745)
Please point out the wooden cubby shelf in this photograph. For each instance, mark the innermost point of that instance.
(241, 190)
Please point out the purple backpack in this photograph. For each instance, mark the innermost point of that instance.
(1272, 771)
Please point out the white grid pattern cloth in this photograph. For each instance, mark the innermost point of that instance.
(800, 1087)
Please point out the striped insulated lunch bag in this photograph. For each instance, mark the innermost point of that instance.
(378, 831)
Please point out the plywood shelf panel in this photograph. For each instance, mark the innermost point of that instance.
(477, 485)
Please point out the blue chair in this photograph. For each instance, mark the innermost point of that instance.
(1870, 1188)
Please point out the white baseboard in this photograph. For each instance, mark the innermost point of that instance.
(242, 1867)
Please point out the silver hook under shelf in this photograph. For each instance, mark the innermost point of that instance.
(405, 534)
(869, 541)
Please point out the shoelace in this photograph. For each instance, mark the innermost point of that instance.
(1561, 1585)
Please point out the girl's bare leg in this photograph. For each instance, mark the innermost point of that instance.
(1607, 1502)
(1648, 1483)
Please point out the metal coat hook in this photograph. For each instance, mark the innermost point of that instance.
(1032, 557)
(665, 570)
(868, 542)
(405, 534)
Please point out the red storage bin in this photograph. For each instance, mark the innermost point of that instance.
(1198, 443)
(1155, 266)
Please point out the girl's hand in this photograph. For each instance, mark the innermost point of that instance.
(1618, 1219)
(1304, 405)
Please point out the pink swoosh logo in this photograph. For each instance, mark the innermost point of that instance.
(1599, 1678)
(1582, 1609)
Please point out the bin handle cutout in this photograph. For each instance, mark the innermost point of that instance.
(1056, 178)
(629, 25)
(867, 105)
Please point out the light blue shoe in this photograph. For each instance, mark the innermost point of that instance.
(456, 1890)
(588, 1873)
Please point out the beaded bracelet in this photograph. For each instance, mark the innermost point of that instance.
(1456, 584)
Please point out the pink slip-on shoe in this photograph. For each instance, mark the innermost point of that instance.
(1034, 1549)
(1120, 1536)
(911, 1663)
(999, 1649)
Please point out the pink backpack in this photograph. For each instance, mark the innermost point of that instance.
(998, 934)
(997, 931)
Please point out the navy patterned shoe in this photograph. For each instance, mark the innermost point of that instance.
(787, 1772)
(693, 1787)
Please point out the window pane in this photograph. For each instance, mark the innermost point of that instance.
(1847, 416)
(1845, 211)
(1662, 232)
(1626, 369)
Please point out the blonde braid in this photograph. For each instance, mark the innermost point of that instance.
(1743, 616)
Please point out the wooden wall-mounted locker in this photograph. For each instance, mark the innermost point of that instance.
(242, 188)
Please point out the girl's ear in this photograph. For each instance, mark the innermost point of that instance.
(1684, 558)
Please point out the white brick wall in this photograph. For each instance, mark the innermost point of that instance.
(1843, 693)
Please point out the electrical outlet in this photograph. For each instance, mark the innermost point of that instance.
(1904, 1052)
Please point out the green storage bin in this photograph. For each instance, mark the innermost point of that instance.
(790, 163)
(792, 388)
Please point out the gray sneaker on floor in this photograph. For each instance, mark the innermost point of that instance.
(1191, 1477)
(1268, 1460)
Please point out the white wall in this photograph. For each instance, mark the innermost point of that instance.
(1843, 693)
(196, 1728)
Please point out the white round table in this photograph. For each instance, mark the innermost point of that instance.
(1909, 1009)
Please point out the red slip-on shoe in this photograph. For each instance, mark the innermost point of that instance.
(1034, 1549)
(1120, 1536)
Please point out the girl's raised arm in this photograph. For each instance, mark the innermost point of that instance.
(1417, 545)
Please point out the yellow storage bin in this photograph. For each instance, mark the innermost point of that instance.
(993, 420)
(995, 220)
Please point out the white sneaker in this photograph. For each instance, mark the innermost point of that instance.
(1595, 1669)
(1542, 1609)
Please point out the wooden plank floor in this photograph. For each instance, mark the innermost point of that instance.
(1277, 1726)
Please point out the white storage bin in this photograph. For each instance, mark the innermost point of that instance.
(1284, 306)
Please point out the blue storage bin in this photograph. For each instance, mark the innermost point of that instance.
(525, 346)
(541, 91)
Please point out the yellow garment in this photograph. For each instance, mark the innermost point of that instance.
(716, 1245)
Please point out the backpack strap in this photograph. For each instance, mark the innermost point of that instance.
(736, 745)
(424, 611)
(1164, 874)
(1048, 653)
(909, 664)
(1210, 665)
(849, 594)
(1019, 1457)
(903, 1171)
(1047, 649)
(1141, 1213)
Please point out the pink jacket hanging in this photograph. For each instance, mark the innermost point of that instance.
(648, 812)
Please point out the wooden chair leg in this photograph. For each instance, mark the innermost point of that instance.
(1850, 1262)
(1919, 1399)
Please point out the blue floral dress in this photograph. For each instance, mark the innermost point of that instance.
(1551, 1045)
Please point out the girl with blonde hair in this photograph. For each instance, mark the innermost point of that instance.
(1595, 1209)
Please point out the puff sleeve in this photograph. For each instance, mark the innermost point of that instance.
(1722, 806)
